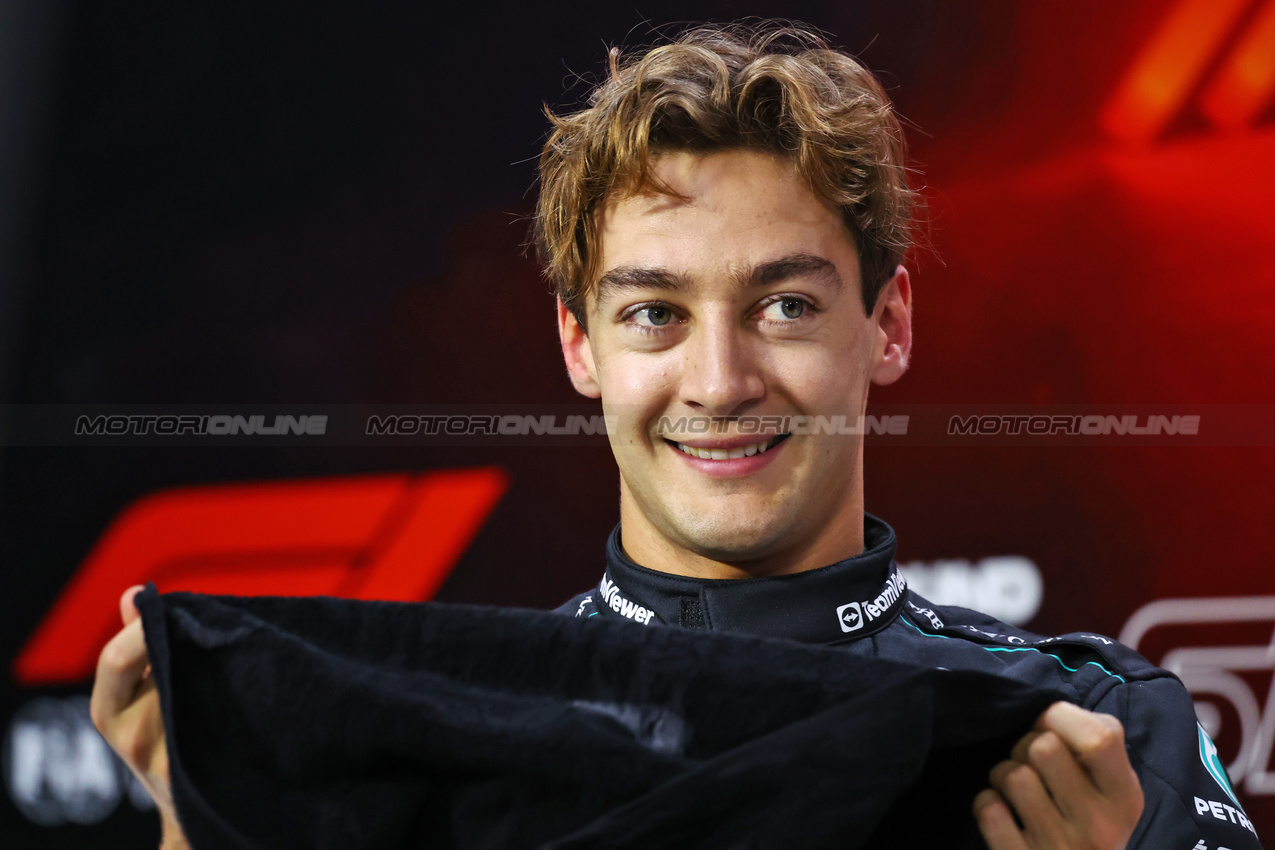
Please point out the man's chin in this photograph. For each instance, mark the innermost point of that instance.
(726, 539)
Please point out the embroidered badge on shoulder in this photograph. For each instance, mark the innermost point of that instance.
(1213, 764)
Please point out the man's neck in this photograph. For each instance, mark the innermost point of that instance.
(835, 538)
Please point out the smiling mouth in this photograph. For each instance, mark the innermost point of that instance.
(732, 453)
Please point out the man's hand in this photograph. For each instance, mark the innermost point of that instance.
(125, 709)
(1070, 783)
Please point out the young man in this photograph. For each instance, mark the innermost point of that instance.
(725, 225)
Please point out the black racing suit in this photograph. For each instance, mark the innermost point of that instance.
(864, 605)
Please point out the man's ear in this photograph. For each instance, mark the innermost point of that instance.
(893, 317)
(577, 353)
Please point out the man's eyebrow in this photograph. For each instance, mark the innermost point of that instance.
(623, 278)
(794, 265)
(636, 277)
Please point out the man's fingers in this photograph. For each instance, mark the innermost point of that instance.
(128, 608)
(1067, 782)
(996, 822)
(125, 708)
(120, 668)
(1022, 788)
(139, 733)
(1098, 743)
(129, 612)
(1019, 752)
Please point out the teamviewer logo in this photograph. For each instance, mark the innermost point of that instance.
(850, 616)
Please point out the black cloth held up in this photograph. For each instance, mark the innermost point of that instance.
(326, 723)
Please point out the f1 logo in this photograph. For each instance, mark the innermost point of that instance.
(850, 616)
(394, 537)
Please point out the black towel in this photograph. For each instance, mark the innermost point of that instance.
(327, 723)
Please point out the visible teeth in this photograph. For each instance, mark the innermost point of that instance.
(725, 454)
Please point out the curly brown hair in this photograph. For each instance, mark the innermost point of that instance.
(767, 85)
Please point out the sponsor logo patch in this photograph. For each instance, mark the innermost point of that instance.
(1223, 812)
(850, 617)
(1213, 764)
(853, 615)
(627, 608)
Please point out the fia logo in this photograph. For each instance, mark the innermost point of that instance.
(850, 616)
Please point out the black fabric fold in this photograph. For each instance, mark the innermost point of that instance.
(326, 723)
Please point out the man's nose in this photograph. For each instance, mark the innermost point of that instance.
(721, 373)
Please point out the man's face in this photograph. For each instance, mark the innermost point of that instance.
(742, 300)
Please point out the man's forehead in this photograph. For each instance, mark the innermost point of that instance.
(741, 216)
(645, 201)
(688, 179)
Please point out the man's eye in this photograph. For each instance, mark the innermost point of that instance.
(653, 315)
(784, 310)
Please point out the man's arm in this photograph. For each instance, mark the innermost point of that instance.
(125, 709)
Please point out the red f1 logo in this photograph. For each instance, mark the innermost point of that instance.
(1221, 53)
(391, 537)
